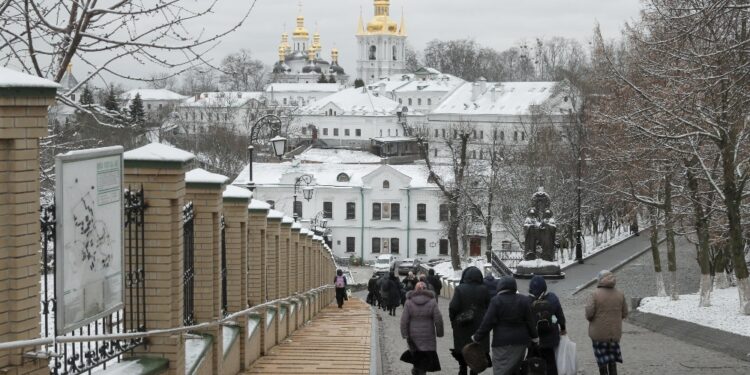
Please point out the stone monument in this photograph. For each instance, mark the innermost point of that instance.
(539, 230)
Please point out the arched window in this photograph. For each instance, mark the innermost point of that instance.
(373, 50)
(395, 53)
(386, 184)
(342, 177)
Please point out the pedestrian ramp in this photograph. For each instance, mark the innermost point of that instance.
(336, 341)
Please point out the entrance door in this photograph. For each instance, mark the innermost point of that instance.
(475, 247)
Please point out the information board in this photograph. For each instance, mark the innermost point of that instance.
(89, 245)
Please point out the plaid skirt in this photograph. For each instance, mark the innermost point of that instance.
(606, 352)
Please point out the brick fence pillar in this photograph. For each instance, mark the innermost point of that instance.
(160, 169)
(205, 190)
(294, 274)
(23, 120)
(285, 239)
(256, 268)
(236, 218)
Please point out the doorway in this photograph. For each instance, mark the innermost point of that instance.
(475, 247)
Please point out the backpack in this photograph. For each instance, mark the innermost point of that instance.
(542, 309)
(340, 282)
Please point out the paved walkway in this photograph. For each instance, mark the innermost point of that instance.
(336, 341)
(645, 352)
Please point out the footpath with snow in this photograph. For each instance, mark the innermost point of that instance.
(723, 314)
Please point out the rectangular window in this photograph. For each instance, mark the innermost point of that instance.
(421, 212)
(325, 131)
(434, 152)
(444, 213)
(474, 134)
(443, 247)
(394, 246)
(358, 132)
(350, 210)
(346, 132)
(375, 244)
(335, 132)
(328, 210)
(481, 134)
(442, 131)
(455, 134)
(515, 136)
(419, 101)
(376, 211)
(298, 209)
(436, 133)
(395, 211)
(421, 246)
(350, 244)
(429, 101)
(386, 245)
(304, 131)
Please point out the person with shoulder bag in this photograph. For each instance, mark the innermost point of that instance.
(339, 281)
(421, 323)
(512, 325)
(550, 321)
(466, 310)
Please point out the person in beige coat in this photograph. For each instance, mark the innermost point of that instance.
(605, 311)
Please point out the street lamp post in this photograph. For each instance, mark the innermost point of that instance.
(278, 142)
(579, 245)
(306, 192)
(319, 226)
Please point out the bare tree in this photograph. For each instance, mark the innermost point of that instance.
(240, 72)
(42, 37)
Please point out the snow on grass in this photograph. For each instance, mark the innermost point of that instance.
(723, 314)
(445, 269)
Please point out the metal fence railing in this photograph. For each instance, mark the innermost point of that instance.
(188, 277)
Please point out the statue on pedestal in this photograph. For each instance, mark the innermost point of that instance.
(539, 230)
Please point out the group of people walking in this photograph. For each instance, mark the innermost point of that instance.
(388, 292)
(525, 328)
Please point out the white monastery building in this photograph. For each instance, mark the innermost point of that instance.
(418, 92)
(381, 45)
(349, 118)
(295, 95)
(155, 101)
(498, 113)
(371, 209)
(232, 110)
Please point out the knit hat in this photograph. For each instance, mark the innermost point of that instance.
(602, 274)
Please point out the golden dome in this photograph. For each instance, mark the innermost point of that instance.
(316, 42)
(382, 23)
(285, 42)
(282, 53)
(311, 54)
(300, 31)
(335, 55)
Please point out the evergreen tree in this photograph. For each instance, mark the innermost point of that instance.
(110, 103)
(137, 114)
(322, 78)
(87, 98)
(359, 83)
(331, 79)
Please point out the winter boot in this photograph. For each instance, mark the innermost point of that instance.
(603, 370)
(612, 368)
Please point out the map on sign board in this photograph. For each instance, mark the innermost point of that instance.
(89, 240)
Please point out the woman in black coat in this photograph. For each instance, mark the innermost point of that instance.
(391, 293)
(470, 294)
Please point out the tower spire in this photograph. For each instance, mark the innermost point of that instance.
(360, 24)
(402, 29)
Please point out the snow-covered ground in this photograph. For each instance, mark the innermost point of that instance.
(445, 269)
(590, 246)
(724, 312)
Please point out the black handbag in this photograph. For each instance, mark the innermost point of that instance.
(465, 317)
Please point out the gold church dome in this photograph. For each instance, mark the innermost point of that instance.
(382, 23)
(300, 31)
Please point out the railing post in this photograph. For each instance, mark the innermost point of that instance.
(160, 170)
(205, 190)
(294, 276)
(23, 120)
(285, 233)
(236, 218)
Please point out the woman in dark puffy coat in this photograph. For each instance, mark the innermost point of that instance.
(390, 291)
(421, 322)
(470, 294)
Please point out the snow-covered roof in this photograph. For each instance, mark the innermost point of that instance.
(304, 231)
(280, 88)
(297, 225)
(501, 98)
(256, 204)
(236, 192)
(202, 176)
(356, 102)
(153, 94)
(394, 139)
(158, 152)
(338, 156)
(12, 78)
(287, 220)
(222, 99)
(403, 83)
(276, 174)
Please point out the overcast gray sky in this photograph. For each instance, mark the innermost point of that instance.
(496, 23)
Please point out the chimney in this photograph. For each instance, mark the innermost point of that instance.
(475, 91)
(493, 93)
(381, 88)
(482, 84)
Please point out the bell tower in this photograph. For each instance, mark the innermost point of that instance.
(381, 44)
